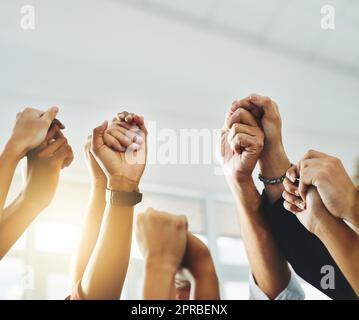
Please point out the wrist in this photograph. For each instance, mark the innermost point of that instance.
(274, 161)
(120, 183)
(13, 152)
(99, 183)
(153, 264)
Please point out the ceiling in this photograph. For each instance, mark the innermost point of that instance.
(182, 63)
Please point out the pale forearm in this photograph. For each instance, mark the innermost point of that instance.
(17, 218)
(90, 231)
(343, 244)
(106, 270)
(268, 264)
(159, 282)
(273, 164)
(9, 160)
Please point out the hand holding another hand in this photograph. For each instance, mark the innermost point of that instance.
(44, 164)
(332, 182)
(242, 142)
(121, 150)
(31, 128)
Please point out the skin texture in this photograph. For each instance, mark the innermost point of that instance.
(44, 164)
(29, 132)
(273, 161)
(242, 144)
(198, 261)
(101, 262)
(334, 185)
(162, 239)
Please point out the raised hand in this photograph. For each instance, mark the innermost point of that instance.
(241, 144)
(123, 169)
(97, 174)
(31, 128)
(334, 186)
(273, 161)
(44, 164)
(162, 237)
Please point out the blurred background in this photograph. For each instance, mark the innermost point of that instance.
(180, 63)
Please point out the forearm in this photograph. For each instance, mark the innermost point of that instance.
(9, 160)
(274, 163)
(206, 282)
(17, 218)
(343, 244)
(159, 281)
(106, 270)
(90, 231)
(268, 264)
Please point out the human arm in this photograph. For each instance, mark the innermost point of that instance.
(43, 172)
(106, 269)
(273, 161)
(341, 241)
(334, 185)
(162, 240)
(29, 132)
(199, 262)
(242, 143)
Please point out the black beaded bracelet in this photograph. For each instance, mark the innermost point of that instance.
(271, 181)
(274, 180)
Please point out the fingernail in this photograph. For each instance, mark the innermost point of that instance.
(296, 192)
(300, 205)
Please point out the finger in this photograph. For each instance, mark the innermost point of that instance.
(129, 118)
(292, 174)
(291, 207)
(62, 153)
(134, 147)
(302, 189)
(243, 128)
(123, 138)
(50, 114)
(52, 133)
(246, 104)
(68, 160)
(52, 147)
(290, 187)
(122, 115)
(241, 116)
(262, 101)
(242, 141)
(58, 123)
(116, 129)
(113, 143)
(290, 198)
(98, 135)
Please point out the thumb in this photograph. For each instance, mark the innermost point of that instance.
(98, 135)
(50, 114)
